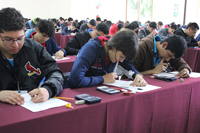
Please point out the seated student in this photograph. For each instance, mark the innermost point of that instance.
(97, 59)
(44, 32)
(24, 63)
(98, 20)
(57, 29)
(81, 38)
(61, 21)
(133, 26)
(147, 30)
(68, 23)
(87, 26)
(34, 22)
(70, 30)
(145, 24)
(116, 27)
(27, 26)
(154, 55)
(159, 25)
(166, 32)
(189, 34)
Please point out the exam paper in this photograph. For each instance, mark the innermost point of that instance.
(172, 74)
(64, 58)
(126, 85)
(35, 107)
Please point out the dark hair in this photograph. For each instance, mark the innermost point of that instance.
(11, 20)
(98, 19)
(133, 25)
(92, 22)
(125, 41)
(61, 18)
(104, 20)
(153, 25)
(160, 23)
(119, 26)
(173, 26)
(70, 19)
(103, 27)
(193, 26)
(176, 44)
(37, 19)
(47, 27)
(109, 23)
(147, 21)
(54, 20)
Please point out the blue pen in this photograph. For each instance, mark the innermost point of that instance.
(42, 81)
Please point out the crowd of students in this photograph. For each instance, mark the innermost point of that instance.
(137, 50)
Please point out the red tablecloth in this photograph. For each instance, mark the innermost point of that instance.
(62, 40)
(175, 108)
(66, 65)
(57, 38)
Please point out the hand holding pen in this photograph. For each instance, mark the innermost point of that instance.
(110, 77)
(39, 94)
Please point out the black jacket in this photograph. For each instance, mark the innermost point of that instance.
(77, 42)
(191, 42)
(31, 64)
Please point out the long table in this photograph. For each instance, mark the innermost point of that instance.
(66, 65)
(174, 108)
(192, 57)
(62, 40)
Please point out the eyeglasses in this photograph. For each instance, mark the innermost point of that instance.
(11, 41)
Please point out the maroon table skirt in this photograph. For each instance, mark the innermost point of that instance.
(174, 108)
(66, 65)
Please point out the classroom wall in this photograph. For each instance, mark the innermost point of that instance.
(107, 9)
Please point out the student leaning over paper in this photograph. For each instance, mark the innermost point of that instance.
(97, 59)
(24, 63)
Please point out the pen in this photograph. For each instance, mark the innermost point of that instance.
(65, 98)
(115, 69)
(42, 81)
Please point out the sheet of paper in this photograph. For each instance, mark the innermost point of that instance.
(166, 74)
(126, 85)
(192, 74)
(64, 58)
(35, 107)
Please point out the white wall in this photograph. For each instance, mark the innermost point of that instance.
(77, 9)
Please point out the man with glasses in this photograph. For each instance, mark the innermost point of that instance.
(98, 58)
(24, 63)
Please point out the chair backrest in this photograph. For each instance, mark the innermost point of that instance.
(66, 75)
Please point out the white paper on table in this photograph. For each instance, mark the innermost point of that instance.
(35, 107)
(171, 74)
(64, 58)
(192, 74)
(126, 85)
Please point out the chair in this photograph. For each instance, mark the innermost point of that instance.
(66, 75)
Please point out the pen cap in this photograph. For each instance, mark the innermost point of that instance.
(79, 102)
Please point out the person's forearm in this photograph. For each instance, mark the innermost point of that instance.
(148, 72)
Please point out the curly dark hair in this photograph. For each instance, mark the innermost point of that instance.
(46, 27)
(11, 20)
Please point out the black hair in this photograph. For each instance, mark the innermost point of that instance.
(147, 21)
(47, 27)
(193, 26)
(153, 25)
(125, 41)
(103, 27)
(11, 20)
(37, 19)
(109, 23)
(176, 44)
(70, 19)
(61, 18)
(178, 25)
(98, 19)
(160, 23)
(92, 22)
(133, 25)
(119, 26)
(173, 26)
(54, 20)
(105, 20)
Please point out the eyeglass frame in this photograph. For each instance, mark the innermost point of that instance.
(13, 40)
